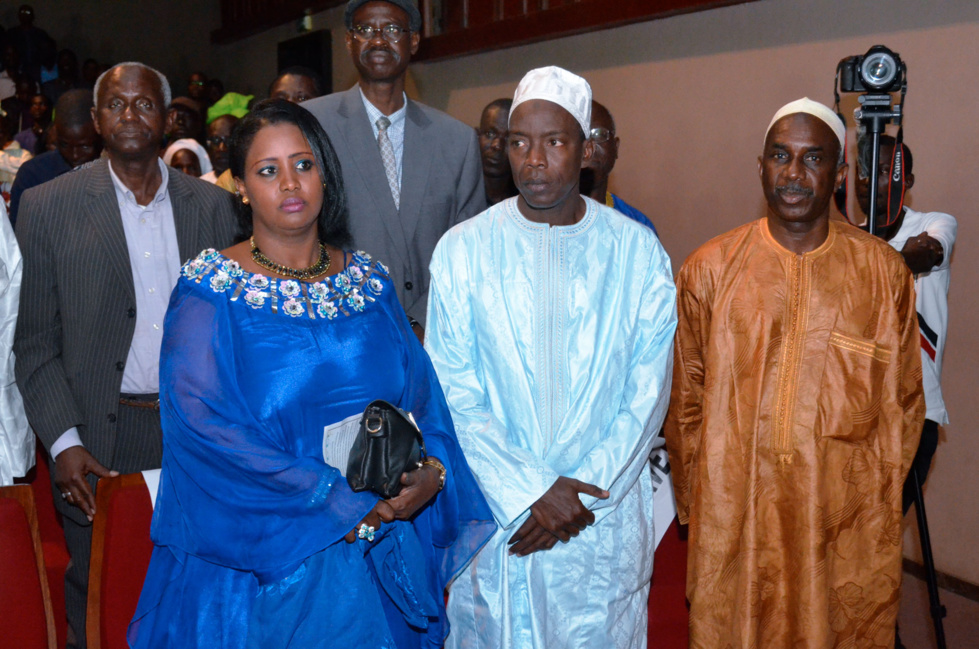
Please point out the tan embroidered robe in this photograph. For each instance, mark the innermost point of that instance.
(795, 412)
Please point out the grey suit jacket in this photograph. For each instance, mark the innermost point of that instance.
(441, 185)
(78, 304)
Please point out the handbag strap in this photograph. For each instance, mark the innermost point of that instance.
(384, 407)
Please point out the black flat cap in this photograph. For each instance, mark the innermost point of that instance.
(415, 18)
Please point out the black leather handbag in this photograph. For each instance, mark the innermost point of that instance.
(388, 444)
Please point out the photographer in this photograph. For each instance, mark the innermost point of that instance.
(925, 240)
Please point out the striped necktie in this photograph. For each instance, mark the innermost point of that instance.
(387, 157)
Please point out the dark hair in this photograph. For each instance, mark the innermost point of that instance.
(332, 222)
(503, 102)
(863, 152)
(599, 106)
(74, 107)
(300, 71)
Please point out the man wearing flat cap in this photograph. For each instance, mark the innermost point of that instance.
(795, 411)
(550, 324)
(411, 172)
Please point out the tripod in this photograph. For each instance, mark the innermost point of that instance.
(875, 113)
(931, 578)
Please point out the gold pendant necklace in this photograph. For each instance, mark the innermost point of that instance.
(317, 269)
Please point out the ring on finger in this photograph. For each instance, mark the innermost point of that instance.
(65, 495)
(366, 532)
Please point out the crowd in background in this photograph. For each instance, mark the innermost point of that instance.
(35, 74)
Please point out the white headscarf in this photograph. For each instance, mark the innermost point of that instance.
(191, 145)
(567, 90)
(823, 113)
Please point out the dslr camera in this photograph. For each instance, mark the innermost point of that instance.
(878, 71)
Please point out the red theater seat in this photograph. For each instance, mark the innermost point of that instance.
(27, 621)
(121, 550)
(52, 542)
(668, 615)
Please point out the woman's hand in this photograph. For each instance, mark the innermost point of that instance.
(419, 486)
(382, 512)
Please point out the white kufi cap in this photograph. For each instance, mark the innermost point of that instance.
(557, 85)
(817, 110)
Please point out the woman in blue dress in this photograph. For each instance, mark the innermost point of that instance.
(271, 351)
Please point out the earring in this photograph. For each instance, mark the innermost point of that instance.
(244, 200)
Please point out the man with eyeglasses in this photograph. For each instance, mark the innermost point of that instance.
(595, 172)
(411, 172)
(218, 138)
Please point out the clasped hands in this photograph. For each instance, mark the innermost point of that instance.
(419, 487)
(558, 515)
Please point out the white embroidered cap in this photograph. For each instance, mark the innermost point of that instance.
(557, 85)
(817, 110)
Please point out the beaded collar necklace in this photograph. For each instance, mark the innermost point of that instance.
(317, 269)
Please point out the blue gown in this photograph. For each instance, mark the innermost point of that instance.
(249, 520)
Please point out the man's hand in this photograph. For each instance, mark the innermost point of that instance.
(530, 538)
(70, 470)
(922, 253)
(560, 512)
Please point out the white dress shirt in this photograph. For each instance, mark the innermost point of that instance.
(396, 131)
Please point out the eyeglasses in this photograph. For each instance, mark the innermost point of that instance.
(391, 33)
(601, 135)
(218, 140)
(197, 83)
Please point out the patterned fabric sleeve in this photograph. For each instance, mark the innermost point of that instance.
(615, 463)
(910, 393)
(511, 477)
(458, 519)
(685, 415)
(16, 437)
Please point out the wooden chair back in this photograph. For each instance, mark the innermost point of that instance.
(28, 617)
(121, 550)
